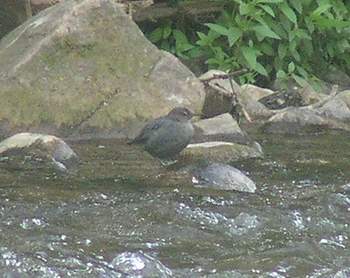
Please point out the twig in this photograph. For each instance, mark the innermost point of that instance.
(236, 100)
(29, 12)
(225, 76)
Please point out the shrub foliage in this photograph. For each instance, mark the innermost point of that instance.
(280, 39)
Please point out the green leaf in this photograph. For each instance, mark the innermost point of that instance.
(267, 49)
(288, 12)
(264, 31)
(282, 51)
(249, 54)
(297, 5)
(302, 72)
(281, 74)
(276, 27)
(195, 52)
(218, 29)
(234, 35)
(291, 67)
(302, 34)
(308, 48)
(329, 23)
(202, 36)
(260, 69)
(206, 40)
(245, 9)
(309, 24)
(212, 35)
(166, 31)
(166, 46)
(296, 55)
(301, 81)
(330, 50)
(268, 10)
(321, 9)
(180, 37)
(184, 47)
(156, 35)
(343, 45)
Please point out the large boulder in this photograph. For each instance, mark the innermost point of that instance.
(84, 69)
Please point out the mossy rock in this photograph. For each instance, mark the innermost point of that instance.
(84, 69)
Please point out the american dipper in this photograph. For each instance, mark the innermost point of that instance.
(167, 136)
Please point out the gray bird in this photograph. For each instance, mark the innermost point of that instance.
(167, 136)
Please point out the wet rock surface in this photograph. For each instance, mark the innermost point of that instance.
(223, 177)
(46, 149)
(221, 139)
(140, 265)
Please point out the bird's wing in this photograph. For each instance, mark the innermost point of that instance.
(147, 130)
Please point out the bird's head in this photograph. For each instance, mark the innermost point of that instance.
(181, 114)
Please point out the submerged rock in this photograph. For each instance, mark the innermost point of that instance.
(46, 148)
(140, 265)
(223, 177)
(84, 69)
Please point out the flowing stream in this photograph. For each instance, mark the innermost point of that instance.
(102, 222)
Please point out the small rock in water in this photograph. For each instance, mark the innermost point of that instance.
(140, 265)
(45, 147)
(223, 177)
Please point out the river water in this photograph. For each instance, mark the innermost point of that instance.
(102, 222)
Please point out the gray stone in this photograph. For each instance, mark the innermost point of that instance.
(219, 95)
(220, 128)
(223, 177)
(337, 107)
(220, 139)
(49, 148)
(84, 69)
(221, 151)
(300, 120)
(254, 92)
(249, 99)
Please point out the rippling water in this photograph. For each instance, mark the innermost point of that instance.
(103, 222)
